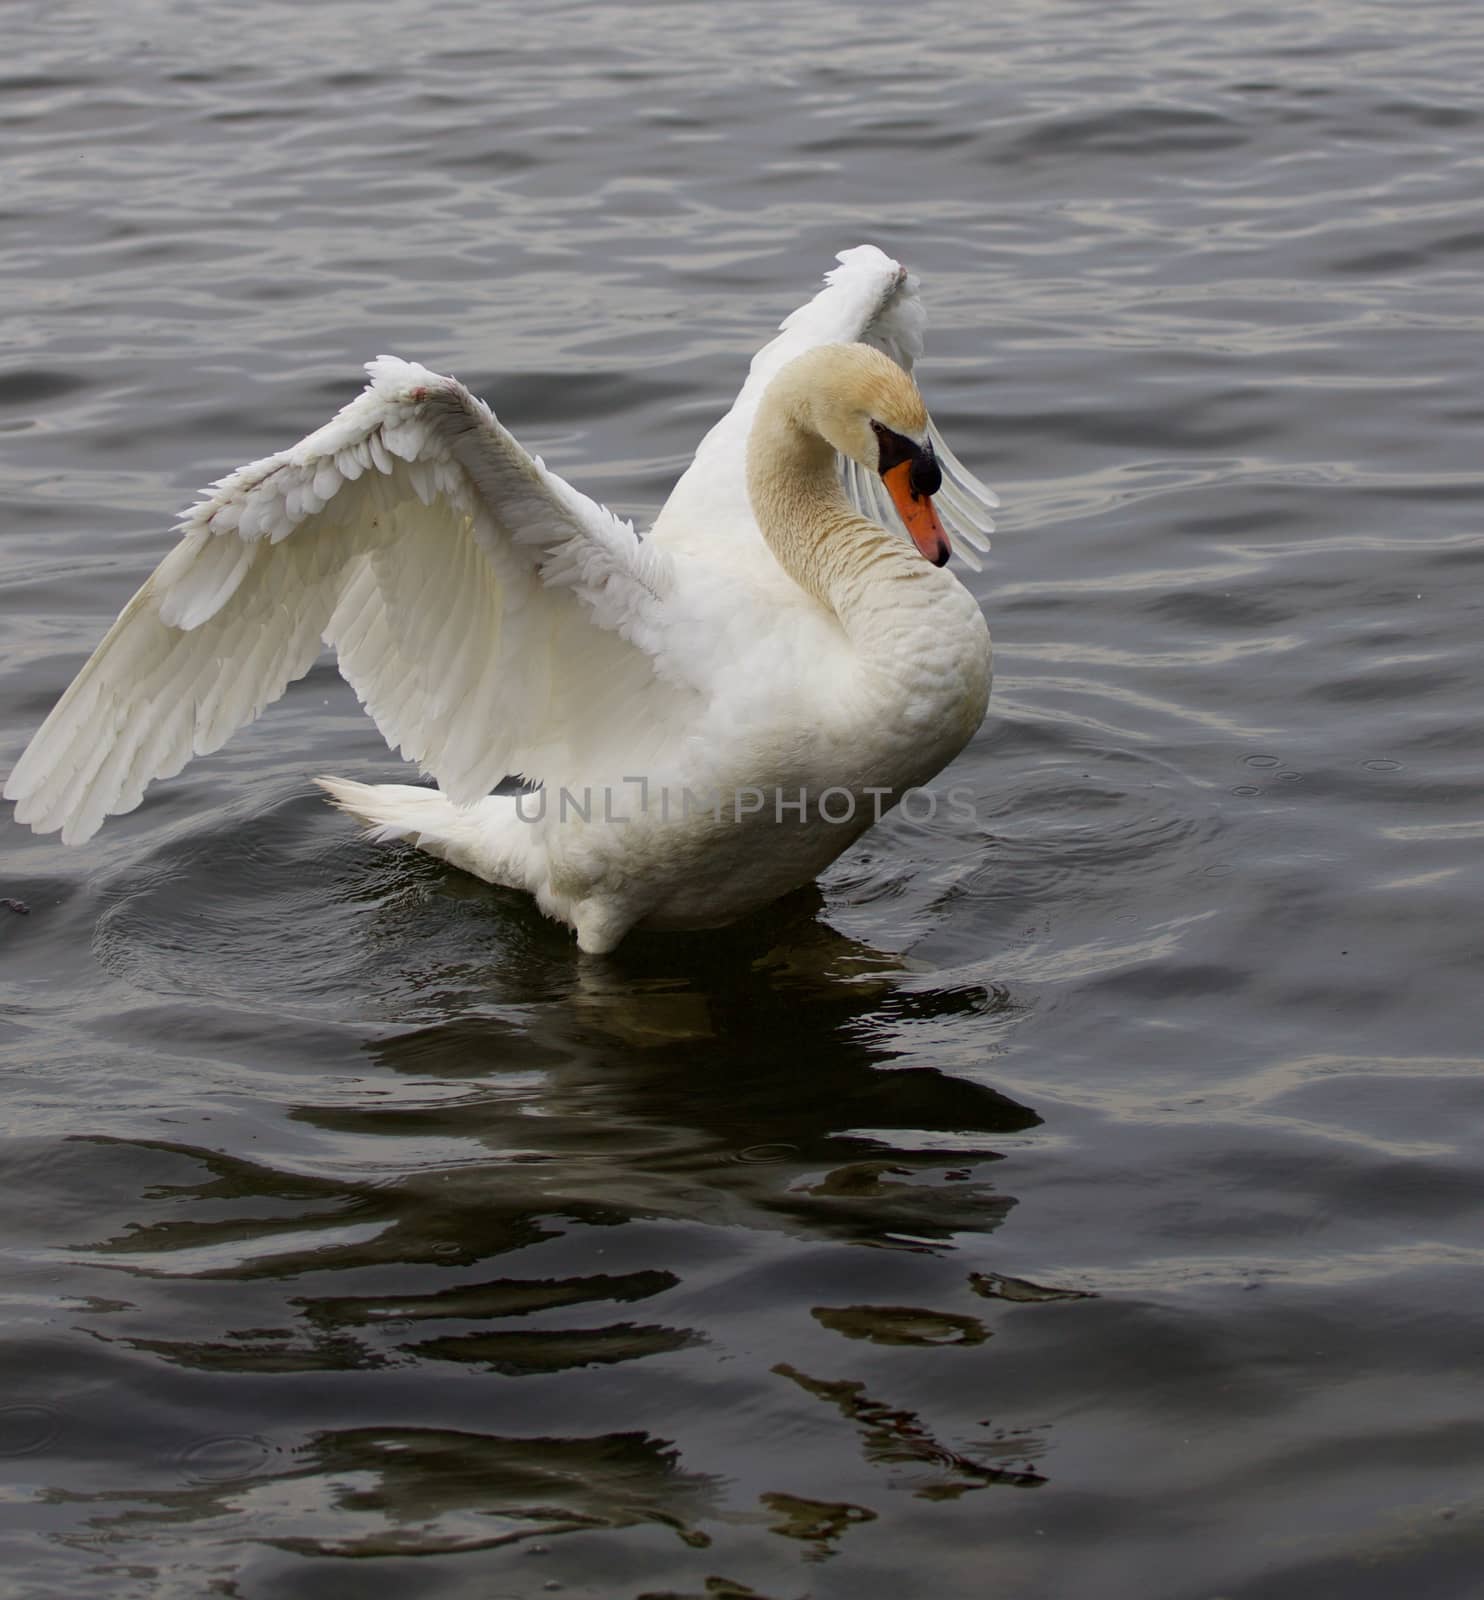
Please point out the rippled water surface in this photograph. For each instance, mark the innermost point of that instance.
(1084, 1204)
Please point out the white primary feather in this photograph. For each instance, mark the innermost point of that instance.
(867, 299)
(491, 618)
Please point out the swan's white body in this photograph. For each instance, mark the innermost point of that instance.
(676, 697)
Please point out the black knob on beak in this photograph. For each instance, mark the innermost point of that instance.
(926, 476)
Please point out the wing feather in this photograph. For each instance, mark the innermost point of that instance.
(867, 299)
(487, 614)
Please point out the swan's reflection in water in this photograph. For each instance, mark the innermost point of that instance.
(664, 1166)
(424, 1491)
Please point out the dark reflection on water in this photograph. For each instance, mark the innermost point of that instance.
(551, 1172)
(650, 1084)
(421, 1491)
(1083, 1204)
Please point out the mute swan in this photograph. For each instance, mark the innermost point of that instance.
(713, 713)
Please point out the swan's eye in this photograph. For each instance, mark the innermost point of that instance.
(893, 449)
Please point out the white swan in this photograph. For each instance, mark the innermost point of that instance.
(713, 712)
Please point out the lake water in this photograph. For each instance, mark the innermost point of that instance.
(1081, 1204)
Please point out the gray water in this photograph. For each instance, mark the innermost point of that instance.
(1083, 1204)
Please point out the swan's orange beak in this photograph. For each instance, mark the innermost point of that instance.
(916, 510)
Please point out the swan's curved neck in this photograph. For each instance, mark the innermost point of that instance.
(832, 552)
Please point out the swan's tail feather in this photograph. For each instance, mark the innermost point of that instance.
(486, 838)
(389, 810)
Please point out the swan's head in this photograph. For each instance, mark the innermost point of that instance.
(864, 404)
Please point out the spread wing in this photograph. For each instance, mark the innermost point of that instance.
(867, 299)
(490, 618)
